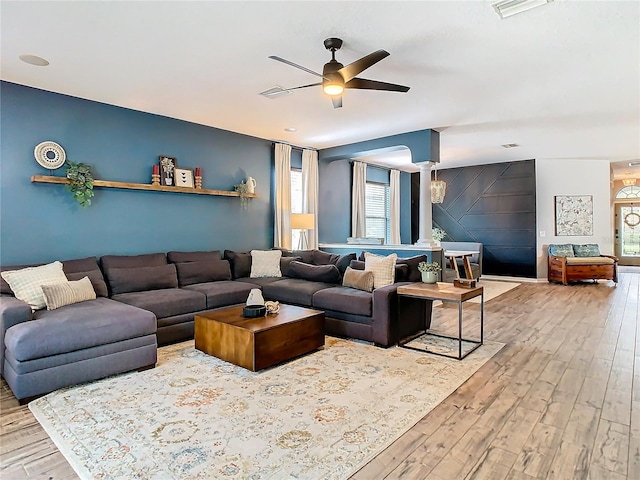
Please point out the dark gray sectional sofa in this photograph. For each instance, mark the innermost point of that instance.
(151, 299)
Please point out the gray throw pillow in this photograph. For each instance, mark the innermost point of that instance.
(182, 257)
(240, 263)
(314, 273)
(285, 262)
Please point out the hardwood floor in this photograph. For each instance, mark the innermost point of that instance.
(560, 401)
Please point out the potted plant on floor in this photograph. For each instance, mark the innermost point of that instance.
(429, 271)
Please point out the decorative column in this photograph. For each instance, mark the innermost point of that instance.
(425, 208)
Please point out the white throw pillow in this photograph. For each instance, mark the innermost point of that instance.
(265, 263)
(383, 268)
(61, 294)
(26, 283)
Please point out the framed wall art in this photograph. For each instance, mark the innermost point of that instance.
(574, 215)
(184, 177)
(167, 170)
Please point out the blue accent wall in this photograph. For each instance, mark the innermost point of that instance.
(41, 222)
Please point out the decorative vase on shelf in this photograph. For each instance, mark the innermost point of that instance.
(429, 277)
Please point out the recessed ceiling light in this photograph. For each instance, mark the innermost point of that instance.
(506, 8)
(274, 92)
(290, 129)
(510, 145)
(34, 60)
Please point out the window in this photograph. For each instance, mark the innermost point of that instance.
(629, 192)
(296, 201)
(376, 206)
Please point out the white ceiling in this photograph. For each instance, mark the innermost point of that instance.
(562, 80)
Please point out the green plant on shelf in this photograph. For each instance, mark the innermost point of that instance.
(80, 182)
(243, 190)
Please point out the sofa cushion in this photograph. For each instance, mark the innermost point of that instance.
(293, 290)
(132, 261)
(240, 263)
(166, 302)
(203, 271)
(590, 261)
(413, 274)
(61, 294)
(401, 270)
(561, 250)
(76, 327)
(358, 279)
(306, 256)
(265, 263)
(587, 250)
(258, 282)
(26, 283)
(96, 279)
(182, 257)
(314, 273)
(344, 299)
(124, 280)
(340, 261)
(220, 294)
(383, 268)
(285, 262)
(4, 286)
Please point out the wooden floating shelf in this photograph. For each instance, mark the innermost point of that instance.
(142, 186)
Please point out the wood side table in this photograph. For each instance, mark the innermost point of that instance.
(445, 292)
(257, 343)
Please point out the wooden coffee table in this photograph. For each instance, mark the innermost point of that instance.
(257, 343)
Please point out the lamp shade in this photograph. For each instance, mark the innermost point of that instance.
(303, 221)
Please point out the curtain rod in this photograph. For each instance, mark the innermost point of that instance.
(373, 165)
(295, 147)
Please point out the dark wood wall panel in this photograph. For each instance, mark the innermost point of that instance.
(493, 204)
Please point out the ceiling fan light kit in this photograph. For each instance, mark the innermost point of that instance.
(336, 77)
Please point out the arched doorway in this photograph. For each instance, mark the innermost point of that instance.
(627, 225)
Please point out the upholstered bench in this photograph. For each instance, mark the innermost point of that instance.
(568, 262)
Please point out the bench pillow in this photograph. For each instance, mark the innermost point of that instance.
(314, 273)
(190, 273)
(587, 250)
(358, 279)
(561, 250)
(61, 294)
(26, 283)
(182, 257)
(125, 280)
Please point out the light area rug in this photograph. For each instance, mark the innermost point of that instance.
(321, 416)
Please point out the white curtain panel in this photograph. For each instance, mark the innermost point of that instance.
(394, 214)
(357, 200)
(282, 223)
(310, 193)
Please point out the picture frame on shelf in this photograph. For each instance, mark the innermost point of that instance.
(167, 170)
(184, 177)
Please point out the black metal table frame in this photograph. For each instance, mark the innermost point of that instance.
(460, 356)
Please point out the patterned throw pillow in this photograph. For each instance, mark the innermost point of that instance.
(561, 250)
(588, 250)
(359, 279)
(26, 284)
(265, 263)
(61, 294)
(383, 268)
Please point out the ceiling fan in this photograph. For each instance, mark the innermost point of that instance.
(336, 77)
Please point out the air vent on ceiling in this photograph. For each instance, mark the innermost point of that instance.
(634, 164)
(510, 145)
(276, 91)
(506, 8)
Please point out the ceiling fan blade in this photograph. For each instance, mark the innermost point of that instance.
(364, 84)
(273, 57)
(305, 86)
(353, 69)
(337, 101)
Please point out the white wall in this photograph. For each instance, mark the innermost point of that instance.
(572, 177)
